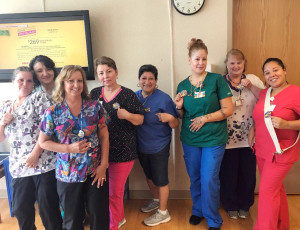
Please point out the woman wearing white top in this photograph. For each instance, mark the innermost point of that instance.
(238, 169)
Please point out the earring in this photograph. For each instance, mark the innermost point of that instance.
(138, 85)
(156, 86)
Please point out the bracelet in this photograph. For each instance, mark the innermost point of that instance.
(179, 108)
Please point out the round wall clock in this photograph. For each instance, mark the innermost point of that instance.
(188, 7)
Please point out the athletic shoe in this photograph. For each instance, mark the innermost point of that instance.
(243, 214)
(233, 214)
(157, 218)
(152, 205)
(121, 223)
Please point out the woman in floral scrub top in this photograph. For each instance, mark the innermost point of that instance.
(31, 167)
(78, 124)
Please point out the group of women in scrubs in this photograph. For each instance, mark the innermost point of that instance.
(204, 102)
(92, 140)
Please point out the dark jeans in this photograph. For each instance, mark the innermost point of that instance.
(238, 178)
(75, 198)
(40, 188)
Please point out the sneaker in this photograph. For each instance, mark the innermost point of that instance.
(157, 218)
(121, 223)
(152, 205)
(233, 214)
(195, 220)
(243, 214)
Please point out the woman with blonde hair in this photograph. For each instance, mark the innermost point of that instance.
(82, 146)
(203, 101)
(238, 169)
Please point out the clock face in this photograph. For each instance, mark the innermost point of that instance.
(188, 7)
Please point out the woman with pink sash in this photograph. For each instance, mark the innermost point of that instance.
(277, 125)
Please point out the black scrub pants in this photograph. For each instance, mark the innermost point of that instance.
(75, 198)
(40, 188)
(238, 178)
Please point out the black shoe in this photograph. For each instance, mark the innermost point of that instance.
(194, 220)
(212, 228)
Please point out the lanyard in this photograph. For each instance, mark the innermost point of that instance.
(81, 132)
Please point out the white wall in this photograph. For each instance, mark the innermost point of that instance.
(147, 32)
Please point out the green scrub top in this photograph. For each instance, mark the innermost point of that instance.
(212, 133)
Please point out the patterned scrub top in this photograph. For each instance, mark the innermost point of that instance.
(122, 133)
(59, 122)
(23, 132)
(240, 122)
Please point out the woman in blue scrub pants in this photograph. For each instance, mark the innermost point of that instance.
(204, 102)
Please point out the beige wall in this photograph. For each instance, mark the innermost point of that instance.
(147, 31)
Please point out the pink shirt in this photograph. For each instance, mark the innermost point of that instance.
(287, 107)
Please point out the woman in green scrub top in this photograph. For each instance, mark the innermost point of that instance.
(204, 102)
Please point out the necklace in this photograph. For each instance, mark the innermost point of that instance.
(239, 88)
(147, 109)
(198, 85)
(237, 83)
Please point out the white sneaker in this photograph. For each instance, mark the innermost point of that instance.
(157, 218)
(152, 205)
(233, 214)
(121, 223)
(243, 214)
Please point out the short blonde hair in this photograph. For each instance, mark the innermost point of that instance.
(66, 72)
(237, 53)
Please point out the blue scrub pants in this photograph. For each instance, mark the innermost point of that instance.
(203, 167)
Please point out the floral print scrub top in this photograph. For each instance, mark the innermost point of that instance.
(58, 121)
(23, 132)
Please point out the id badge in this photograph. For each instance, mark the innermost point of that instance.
(268, 114)
(199, 94)
(238, 103)
(272, 107)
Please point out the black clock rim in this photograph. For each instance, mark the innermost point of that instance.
(173, 1)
